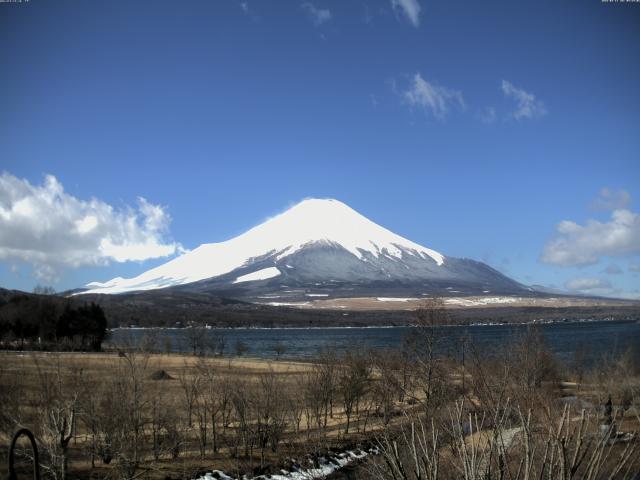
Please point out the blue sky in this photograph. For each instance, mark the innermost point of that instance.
(473, 128)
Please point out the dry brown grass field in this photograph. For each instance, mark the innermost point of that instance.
(515, 414)
(81, 376)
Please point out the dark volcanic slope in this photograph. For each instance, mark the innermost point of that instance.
(333, 271)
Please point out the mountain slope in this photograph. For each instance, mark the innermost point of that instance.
(321, 245)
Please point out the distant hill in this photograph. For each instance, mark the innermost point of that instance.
(171, 308)
(174, 308)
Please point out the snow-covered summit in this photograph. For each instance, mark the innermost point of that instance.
(328, 220)
(310, 223)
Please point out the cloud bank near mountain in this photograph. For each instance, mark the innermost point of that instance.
(51, 229)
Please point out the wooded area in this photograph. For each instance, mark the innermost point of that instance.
(48, 322)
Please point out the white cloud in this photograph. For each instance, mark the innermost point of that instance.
(430, 97)
(612, 269)
(608, 199)
(488, 115)
(526, 104)
(589, 285)
(50, 229)
(317, 15)
(578, 245)
(599, 287)
(410, 9)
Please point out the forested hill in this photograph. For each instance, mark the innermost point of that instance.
(50, 322)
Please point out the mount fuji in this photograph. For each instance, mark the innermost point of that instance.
(321, 248)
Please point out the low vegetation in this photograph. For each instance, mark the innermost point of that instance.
(516, 413)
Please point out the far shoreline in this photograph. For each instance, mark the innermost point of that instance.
(383, 326)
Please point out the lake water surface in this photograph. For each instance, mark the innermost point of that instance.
(593, 339)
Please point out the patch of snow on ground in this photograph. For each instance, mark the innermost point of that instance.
(395, 299)
(317, 294)
(326, 466)
(474, 301)
(263, 274)
(287, 304)
(215, 474)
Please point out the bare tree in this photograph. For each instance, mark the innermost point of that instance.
(198, 340)
(279, 349)
(472, 446)
(202, 409)
(318, 386)
(269, 412)
(422, 348)
(353, 380)
(189, 383)
(314, 400)
(240, 399)
(326, 367)
(532, 363)
(58, 411)
(240, 348)
(44, 290)
(295, 402)
(164, 425)
(89, 415)
(390, 383)
(123, 423)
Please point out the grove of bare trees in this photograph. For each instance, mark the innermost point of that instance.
(514, 413)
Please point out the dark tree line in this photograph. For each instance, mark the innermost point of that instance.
(49, 322)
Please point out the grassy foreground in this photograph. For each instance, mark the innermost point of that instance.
(515, 413)
(167, 415)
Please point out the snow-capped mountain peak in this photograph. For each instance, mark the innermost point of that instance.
(329, 220)
(311, 222)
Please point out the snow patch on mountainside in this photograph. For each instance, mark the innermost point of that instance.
(110, 283)
(324, 222)
(263, 274)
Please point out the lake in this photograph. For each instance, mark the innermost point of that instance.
(594, 339)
